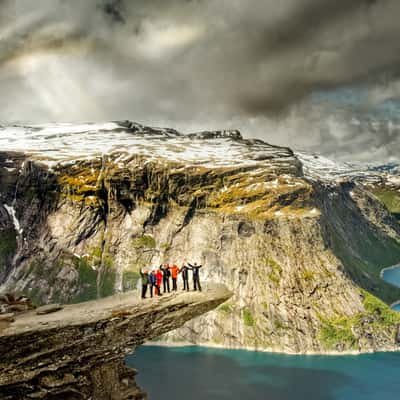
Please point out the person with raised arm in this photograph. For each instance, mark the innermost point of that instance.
(196, 275)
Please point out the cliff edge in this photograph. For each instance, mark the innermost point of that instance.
(78, 352)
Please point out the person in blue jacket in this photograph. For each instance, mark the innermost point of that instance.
(153, 282)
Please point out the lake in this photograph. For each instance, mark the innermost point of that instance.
(181, 373)
(392, 275)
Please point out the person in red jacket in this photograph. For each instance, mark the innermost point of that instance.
(159, 278)
(174, 274)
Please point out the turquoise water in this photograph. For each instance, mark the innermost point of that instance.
(392, 276)
(201, 373)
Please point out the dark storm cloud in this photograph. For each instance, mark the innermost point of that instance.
(203, 64)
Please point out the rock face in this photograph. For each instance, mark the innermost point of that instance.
(78, 352)
(301, 253)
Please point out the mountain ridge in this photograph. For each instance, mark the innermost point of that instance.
(301, 251)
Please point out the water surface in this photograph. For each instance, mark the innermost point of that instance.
(392, 275)
(195, 373)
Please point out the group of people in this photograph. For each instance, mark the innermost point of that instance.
(152, 278)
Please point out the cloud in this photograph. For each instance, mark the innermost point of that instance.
(196, 64)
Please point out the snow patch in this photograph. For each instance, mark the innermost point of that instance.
(64, 143)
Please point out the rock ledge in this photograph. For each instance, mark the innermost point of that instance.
(78, 352)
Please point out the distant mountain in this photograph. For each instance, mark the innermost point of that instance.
(319, 167)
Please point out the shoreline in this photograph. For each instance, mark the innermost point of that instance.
(388, 269)
(396, 303)
(396, 266)
(271, 350)
(289, 353)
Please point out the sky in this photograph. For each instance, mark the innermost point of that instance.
(318, 75)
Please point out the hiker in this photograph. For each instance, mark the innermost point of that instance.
(153, 282)
(174, 274)
(196, 275)
(159, 278)
(185, 276)
(166, 275)
(145, 281)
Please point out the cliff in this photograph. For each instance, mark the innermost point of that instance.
(78, 352)
(302, 252)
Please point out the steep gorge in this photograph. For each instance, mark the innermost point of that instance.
(302, 256)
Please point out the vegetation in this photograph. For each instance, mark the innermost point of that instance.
(165, 247)
(130, 279)
(226, 308)
(83, 181)
(87, 281)
(248, 319)
(308, 275)
(338, 331)
(391, 199)
(278, 324)
(107, 284)
(385, 317)
(341, 331)
(82, 186)
(145, 241)
(8, 246)
(275, 270)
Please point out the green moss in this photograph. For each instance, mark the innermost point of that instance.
(38, 271)
(107, 283)
(340, 331)
(130, 279)
(275, 270)
(8, 246)
(226, 308)
(97, 252)
(35, 295)
(278, 324)
(165, 247)
(390, 198)
(145, 241)
(87, 281)
(385, 317)
(108, 261)
(248, 319)
(308, 275)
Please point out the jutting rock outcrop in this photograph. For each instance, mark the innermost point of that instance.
(83, 208)
(78, 352)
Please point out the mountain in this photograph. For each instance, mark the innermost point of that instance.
(300, 240)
